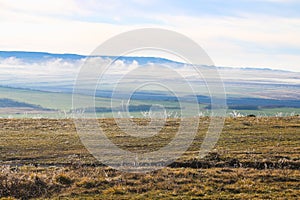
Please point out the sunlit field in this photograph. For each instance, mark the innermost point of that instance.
(255, 158)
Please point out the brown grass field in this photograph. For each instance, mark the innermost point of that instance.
(255, 158)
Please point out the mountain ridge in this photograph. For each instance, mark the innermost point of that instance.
(34, 56)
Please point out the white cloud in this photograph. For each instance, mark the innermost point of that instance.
(245, 42)
(57, 26)
(42, 8)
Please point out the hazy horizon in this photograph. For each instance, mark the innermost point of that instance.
(173, 59)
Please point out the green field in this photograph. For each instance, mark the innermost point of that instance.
(61, 103)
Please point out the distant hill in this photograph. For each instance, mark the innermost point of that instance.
(34, 56)
(10, 103)
(38, 56)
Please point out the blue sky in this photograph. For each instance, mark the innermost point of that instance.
(238, 33)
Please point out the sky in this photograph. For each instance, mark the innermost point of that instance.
(234, 33)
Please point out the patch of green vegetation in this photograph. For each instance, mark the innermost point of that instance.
(63, 103)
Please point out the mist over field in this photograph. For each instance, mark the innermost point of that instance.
(247, 89)
(57, 72)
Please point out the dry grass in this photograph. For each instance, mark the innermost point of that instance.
(177, 183)
(255, 158)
